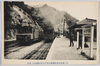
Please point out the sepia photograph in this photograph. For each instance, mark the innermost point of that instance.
(61, 32)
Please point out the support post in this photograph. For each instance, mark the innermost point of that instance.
(91, 43)
(83, 38)
(78, 39)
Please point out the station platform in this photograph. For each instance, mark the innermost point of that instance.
(60, 50)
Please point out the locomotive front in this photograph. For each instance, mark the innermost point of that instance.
(25, 34)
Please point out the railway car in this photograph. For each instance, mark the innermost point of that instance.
(28, 34)
(49, 35)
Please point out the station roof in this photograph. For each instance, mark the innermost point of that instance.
(86, 21)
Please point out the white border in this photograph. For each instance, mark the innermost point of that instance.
(44, 0)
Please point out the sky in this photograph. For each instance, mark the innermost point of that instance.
(79, 10)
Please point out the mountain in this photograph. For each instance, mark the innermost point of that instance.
(69, 19)
(54, 17)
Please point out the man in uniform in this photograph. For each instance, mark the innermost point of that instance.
(71, 39)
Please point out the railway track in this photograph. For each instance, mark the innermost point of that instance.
(40, 53)
(12, 50)
(13, 47)
(9, 46)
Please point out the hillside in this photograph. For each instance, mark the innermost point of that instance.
(14, 17)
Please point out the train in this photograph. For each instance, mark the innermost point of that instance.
(49, 35)
(29, 34)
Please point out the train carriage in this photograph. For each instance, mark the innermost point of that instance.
(27, 34)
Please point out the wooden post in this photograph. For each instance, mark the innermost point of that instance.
(83, 38)
(78, 39)
(91, 43)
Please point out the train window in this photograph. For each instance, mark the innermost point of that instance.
(24, 29)
(27, 29)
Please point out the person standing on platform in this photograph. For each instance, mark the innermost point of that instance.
(71, 39)
(58, 33)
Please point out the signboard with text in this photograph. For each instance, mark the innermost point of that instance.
(87, 32)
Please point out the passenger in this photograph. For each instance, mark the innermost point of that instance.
(58, 34)
(71, 40)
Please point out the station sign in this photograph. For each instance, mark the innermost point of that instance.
(87, 32)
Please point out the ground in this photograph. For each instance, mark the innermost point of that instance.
(58, 50)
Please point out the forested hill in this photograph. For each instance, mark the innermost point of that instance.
(16, 13)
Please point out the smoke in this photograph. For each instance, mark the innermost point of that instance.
(52, 17)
